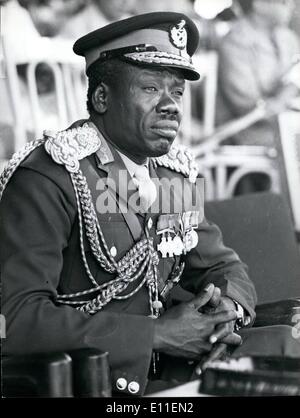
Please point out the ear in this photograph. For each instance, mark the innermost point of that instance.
(99, 98)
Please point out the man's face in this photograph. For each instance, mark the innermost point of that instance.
(144, 111)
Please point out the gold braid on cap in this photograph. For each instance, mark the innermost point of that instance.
(68, 148)
(159, 57)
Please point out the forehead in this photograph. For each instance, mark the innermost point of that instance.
(159, 74)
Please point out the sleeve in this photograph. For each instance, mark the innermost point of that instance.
(36, 218)
(237, 77)
(212, 262)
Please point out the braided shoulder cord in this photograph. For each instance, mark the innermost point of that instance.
(84, 203)
(128, 264)
(115, 287)
(128, 270)
(15, 161)
(111, 292)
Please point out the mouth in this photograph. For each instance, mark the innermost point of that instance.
(166, 129)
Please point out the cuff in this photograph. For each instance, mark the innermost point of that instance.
(243, 318)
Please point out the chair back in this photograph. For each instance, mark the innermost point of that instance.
(260, 229)
(191, 129)
(289, 130)
(33, 110)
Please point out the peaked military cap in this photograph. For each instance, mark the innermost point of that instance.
(163, 39)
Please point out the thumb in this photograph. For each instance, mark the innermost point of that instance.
(203, 298)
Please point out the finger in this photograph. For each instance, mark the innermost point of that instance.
(224, 316)
(229, 324)
(206, 346)
(203, 298)
(217, 352)
(216, 298)
(221, 333)
(232, 339)
(213, 303)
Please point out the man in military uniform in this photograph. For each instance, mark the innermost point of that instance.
(77, 276)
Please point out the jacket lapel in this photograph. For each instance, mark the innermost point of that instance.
(111, 167)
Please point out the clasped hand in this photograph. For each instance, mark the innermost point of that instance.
(191, 329)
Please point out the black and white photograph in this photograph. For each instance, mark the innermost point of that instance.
(150, 201)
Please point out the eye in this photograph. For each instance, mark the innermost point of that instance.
(151, 89)
(178, 92)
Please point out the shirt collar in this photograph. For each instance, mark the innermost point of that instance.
(131, 165)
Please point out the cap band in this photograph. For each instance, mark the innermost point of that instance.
(121, 52)
(159, 57)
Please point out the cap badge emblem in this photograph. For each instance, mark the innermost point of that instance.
(178, 35)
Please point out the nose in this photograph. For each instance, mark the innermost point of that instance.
(167, 105)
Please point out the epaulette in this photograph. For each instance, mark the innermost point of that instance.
(72, 145)
(181, 160)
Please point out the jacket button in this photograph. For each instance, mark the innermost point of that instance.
(150, 223)
(133, 387)
(113, 251)
(121, 383)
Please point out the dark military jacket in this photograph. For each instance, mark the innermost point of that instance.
(40, 258)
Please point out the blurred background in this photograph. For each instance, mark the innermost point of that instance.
(241, 119)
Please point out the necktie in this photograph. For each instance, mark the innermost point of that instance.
(146, 187)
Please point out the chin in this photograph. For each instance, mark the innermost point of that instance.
(162, 148)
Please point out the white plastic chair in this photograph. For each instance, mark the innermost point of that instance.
(207, 65)
(69, 86)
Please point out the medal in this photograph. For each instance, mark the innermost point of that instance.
(190, 223)
(163, 247)
(194, 238)
(190, 240)
(186, 218)
(178, 246)
(166, 247)
(170, 245)
(175, 222)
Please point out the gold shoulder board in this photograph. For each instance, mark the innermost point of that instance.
(181, 160)
(72, 145)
